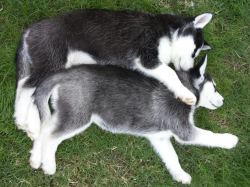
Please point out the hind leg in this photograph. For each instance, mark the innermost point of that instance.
(50, 144)
(52, 134)
(33, 122)
(22, 102)
(25, 113)
(36, 152)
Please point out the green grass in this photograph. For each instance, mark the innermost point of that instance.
(97, 158)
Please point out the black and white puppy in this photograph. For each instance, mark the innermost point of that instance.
(145, 42)
(123, 101)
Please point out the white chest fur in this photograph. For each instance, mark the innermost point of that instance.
(76, 57)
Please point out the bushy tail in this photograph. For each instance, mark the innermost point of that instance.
(43, 93)
(23, 61)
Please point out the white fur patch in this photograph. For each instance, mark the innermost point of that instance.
(33, 121)
(19, 88)
(191, 115)
(203, 66)
(54, 96)
(163, 146)
(162, 135)
(37, 150)
(76, 57)
(182, 49)
(104, 126)
(22, 103)
(209, 139)
(198, 81)
(209, 98)
(26, 113)
(164, 50)
(25, 52)
(178, 51)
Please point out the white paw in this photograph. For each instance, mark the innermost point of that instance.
(183, 177)
(229, 141)
(187, 97)
(35, 160)
(20, 122)
(49, 168)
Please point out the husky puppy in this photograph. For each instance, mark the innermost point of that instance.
(123, 101)
(145, 42)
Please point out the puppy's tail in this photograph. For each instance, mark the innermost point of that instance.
(44, 92)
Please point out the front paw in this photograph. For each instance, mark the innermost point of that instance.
(183, 177)
(35, 159)
(49, 168)
(187, 97)
(229, 141)
(20, 122)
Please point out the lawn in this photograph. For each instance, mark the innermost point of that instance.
(98, 158)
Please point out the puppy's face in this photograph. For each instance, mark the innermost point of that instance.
(209, 97)
(188, 41)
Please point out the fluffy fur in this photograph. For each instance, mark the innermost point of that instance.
(132, 40)
(122, 101)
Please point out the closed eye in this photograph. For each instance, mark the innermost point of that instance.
(213, 104)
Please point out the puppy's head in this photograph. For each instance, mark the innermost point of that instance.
(188, 41)
(209, 97)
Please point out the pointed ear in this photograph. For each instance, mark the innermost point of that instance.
(203, 65)
(205, 46)
(202, 20)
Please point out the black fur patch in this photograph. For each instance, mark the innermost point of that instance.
(110, 37)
